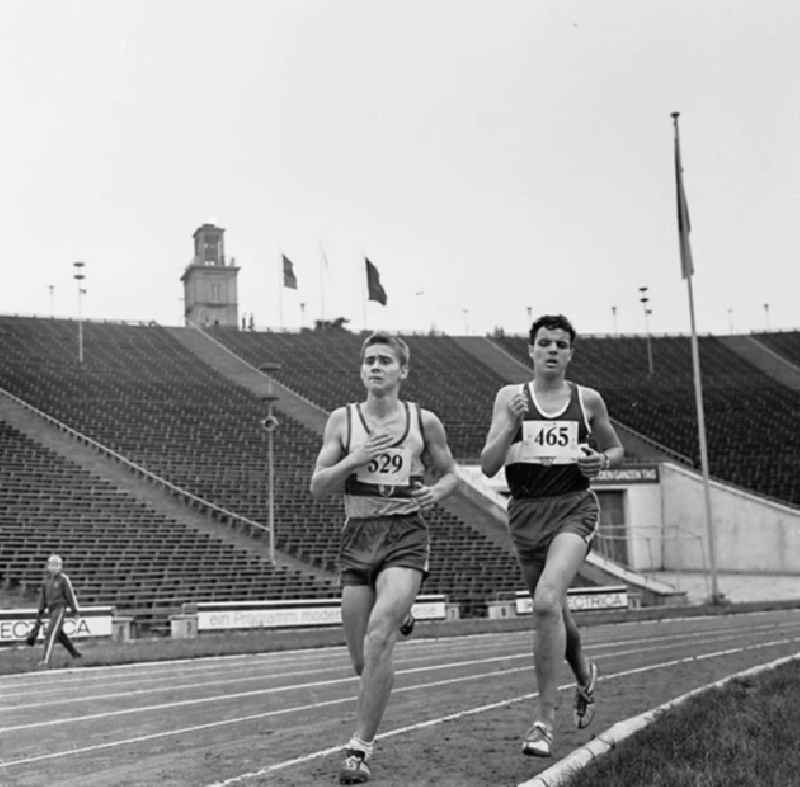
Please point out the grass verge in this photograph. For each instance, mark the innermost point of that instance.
(744, 733)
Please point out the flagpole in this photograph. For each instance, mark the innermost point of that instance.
(364, 294)
(701, 434)
(687, 267)
(323, 263)
(280, 290)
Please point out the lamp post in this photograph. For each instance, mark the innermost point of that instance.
(465, 312)
(79, 276)
(529, 312)
(766, 315)
(644, 300)
(730, 320)
(614, 318)
(270, 423)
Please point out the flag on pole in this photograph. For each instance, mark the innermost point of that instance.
(289, 278)
(684, 226)
(375, 291)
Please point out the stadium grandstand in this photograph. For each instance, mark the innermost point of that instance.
(144, 397)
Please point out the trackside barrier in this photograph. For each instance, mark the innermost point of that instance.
(121, 628)
(183, 625)
(580, 599)
(93, 622)
(292, 613)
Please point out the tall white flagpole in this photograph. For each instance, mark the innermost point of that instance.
(323, 264)
(280, 289)
(687, 272)
(364, 292)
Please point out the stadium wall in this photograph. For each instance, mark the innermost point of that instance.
(752, 534)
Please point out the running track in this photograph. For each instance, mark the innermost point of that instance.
(459, 708)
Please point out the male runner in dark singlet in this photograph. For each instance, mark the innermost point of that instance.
(377, 452)
(540, 432)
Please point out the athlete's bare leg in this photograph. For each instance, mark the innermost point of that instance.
(357, 601)
(573, 651)
(564, 557)
(395, 592)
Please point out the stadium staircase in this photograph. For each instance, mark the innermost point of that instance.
(759, 352)
(785, 343)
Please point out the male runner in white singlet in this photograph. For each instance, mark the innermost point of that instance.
(540, 432)
(377, 452)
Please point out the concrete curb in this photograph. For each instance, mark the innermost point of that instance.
(558, 774)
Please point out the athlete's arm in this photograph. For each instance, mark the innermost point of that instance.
(509, 408)
(333, 466)
(609, 448)
(439, 461)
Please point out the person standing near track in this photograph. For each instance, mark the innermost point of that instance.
(377, 453)
(56, 596)
(540, 432)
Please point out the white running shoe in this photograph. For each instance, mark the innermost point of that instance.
(538, 740)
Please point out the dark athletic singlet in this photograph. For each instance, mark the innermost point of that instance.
(542, 458)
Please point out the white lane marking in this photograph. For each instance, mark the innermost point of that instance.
(525, 654)
(70, 697)
(253, 661)
(568, 767)
(400, 690)
(295, 674)
(253, 693)
(480, 709)
(76, 682)
(214, 663)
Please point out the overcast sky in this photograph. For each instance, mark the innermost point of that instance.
(492, 156)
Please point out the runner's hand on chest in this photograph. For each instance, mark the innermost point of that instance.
(374, 445)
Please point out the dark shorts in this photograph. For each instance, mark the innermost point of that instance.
(370, 545)
(535, 522)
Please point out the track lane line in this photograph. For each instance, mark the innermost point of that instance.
(668, 643)
(491, 706)
(345, 664)
(397, 731)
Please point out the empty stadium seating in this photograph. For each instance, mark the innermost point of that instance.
(142, 394)
(116, 549)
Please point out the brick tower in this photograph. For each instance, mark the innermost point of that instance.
(209, 281)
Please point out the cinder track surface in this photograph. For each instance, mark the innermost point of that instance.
(459, 708)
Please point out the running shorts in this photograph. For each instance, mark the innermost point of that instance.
(371, 544)
(535, 521)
